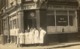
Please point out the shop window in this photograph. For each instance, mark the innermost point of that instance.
(63, 17)
(50, 20)
(71, 17)
(62, 20)
(5, 24)
(71, 20)
(14, 23)
(11, 24)
(17, 23)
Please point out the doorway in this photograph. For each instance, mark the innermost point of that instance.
(29, 19)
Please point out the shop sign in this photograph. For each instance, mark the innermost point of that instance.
(29, 6)
(28, 0)
(24, 1)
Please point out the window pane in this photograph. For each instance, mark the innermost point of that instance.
(14, 23)
(71, 20)
(51, 20)
(62, 20)
(17, 23)
(71, 15)
(10, 24)
(5, 24)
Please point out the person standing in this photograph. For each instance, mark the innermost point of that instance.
(31, 36)
(36, 35)
(42, 35)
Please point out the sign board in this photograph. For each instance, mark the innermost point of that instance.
(29, 6)
(26, 1)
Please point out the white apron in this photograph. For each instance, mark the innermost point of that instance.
(42, 34)
(21, 38)
(27, 38)
(36, 36)
(31, 37)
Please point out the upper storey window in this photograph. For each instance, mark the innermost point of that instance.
(27, 1)
(64, 2)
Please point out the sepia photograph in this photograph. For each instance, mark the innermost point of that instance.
(39, 24)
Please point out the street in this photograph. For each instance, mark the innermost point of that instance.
(75, 45)
(71, 47)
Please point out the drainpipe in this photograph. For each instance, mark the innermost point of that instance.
(8, 30)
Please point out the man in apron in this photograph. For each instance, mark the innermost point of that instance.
(42, 35)
(36, 35)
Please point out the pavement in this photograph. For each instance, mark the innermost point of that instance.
(57, 46)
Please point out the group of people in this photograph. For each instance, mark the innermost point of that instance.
(33, 36)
